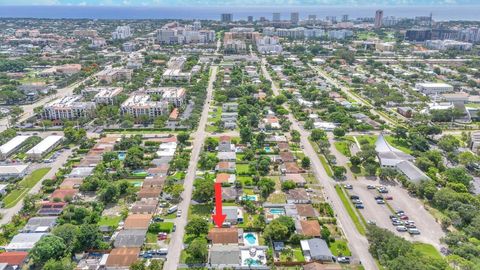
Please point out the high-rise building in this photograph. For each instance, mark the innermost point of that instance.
(378, 18)
(227, 17)
(294, 17)
(197, 25)
(312, 18)
(345, 18)
(250, 19)
(276, 17)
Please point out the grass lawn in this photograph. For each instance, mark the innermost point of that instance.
(240, 157)
(400, 144)
(298, 254)
(350, 210)
(340, 248)
(325, 165)
(203, 210)
(277, 198)
(427, 250)
(166, 227)
(370, 138)
(111, 221)
(151, 237)
(23, 187)
(243, 169)
(245, 180)
(343, 147)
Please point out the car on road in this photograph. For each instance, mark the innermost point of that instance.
(174, 228)
(343, 260)
(401, 228)
(179, 213)
(359, 206)
(413, 231)
(370, 187)
(348, 186)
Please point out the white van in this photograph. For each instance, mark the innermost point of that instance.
(172, 209)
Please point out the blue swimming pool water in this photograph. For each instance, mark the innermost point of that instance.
(122, 155)
(277, 211)
(249, 198)
(268, 149)
(251, 239)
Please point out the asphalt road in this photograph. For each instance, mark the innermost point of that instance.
(176, 243)
(8, 213)
(358, 243)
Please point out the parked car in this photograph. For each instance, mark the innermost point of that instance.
(388, 198)
(357, 201)
(401, 228)
(353, 197)
(359, 206)
(174, 228)
(413, 231)
(179, 213)
(371, 222)
(348, 186)
(380, 201)
(404, 217)
(397, 223)
(370, 187)
(343, 260)
(410, 226)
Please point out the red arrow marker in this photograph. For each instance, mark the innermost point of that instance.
(218, 217)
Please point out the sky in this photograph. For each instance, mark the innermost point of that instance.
(221, 3)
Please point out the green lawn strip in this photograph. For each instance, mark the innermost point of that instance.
(298, 255)
(151, 237)
(23, 187)
(203, 210)
(111, 221)
(277, 198)
(343, 147)
(350, 210)
(370, 138)
(401, 144)
(427, 250)
(325, 165)
(340, 248)
(243, 169)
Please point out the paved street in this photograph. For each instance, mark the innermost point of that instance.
(357, 243)
(176, 243)
(8, 213)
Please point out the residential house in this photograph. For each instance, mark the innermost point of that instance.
(298, 196)
(309, 228)
(227, 156)
(13, 259)
(225, 178)
(122, 258)
(234, 214)
(130, 238)
(297, 178)
(224, 256)
(225, 235)
(226, 167)
(137, 221)
(316, 249)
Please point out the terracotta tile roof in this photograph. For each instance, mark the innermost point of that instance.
(149, 192)
(222, 178)
(306, 210)
(13, 257)
(174, 114)
(157, 181)
(292, 167)
(122, 257)
(62, 193)
(295, 177)
(223, 235)
(310, 228)
(224, 138)
(69, 183)
(287, 156)
(137, 221)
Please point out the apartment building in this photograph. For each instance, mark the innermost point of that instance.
(173, 95)
(122, 32)
(67, 108)
(139, 104)
(115, 74)
(106, 95)
(433, 88)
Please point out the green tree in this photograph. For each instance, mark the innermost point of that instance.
(204, 190)
(89, 237)
(267, 186)
(339, 132)
(48, 247)
(287, 185)
(55, 264)
(197, 251)
(197, 226)
(339, 172)
(448, 143)
(134, 157)
(318, 134)
(305, 162)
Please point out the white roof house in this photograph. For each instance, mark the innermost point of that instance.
(7, 171)
(391, 157)
(10, 146)
(45, 145)
(24, 241)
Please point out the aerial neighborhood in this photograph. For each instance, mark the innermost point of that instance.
(269, 142)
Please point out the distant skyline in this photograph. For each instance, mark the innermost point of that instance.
(220, 3)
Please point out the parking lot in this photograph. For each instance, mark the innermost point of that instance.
(430, 230)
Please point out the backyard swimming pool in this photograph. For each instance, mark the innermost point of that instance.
(252, 198)
(277, 211)
(122, 155)
(250, 239)
(267, 149)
